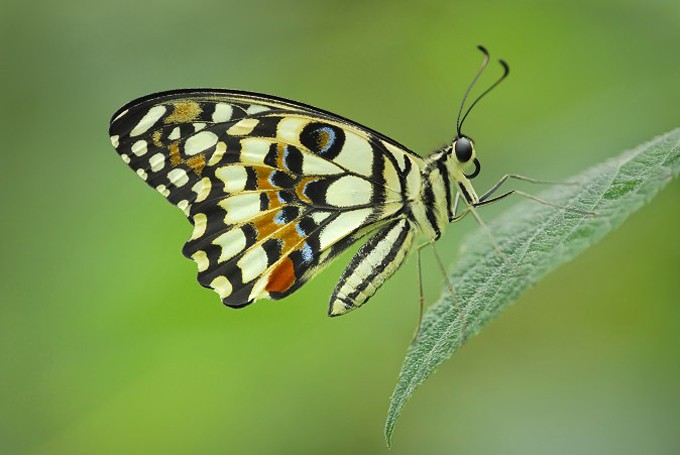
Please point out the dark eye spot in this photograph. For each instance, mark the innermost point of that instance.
(323, 139)
(463, 149)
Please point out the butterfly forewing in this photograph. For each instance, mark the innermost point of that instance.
(274, 189)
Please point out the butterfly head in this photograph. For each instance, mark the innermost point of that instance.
(462, 165)
(463, 151)
(462, 162)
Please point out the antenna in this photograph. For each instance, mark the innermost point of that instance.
(485, 62)
(506, 71)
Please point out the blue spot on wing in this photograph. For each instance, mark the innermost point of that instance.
(280, 218)
(300, 230)
(307, 253)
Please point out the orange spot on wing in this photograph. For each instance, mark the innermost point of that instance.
(265, 225)
(263, 179)
(282, 277)
(287, 234)
(289, 237)
(274, 202)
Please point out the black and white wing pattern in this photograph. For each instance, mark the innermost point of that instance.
(274, 189)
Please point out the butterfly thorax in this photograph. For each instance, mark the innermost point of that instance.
(442, 177)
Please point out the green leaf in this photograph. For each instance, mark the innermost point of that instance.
(534, 239)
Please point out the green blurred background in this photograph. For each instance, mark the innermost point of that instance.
(108, 344)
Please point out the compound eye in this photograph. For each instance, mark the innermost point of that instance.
(463, 148)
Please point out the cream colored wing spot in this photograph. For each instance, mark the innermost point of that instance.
(254, 150)
(139, 148)
(243, 127)
(178, 177)
(349, 191)
(253, 263)
(220, 150)
(345, 223)
(320, 217)
(199, 142)
(356, 154)
(201, 260)
(125, 158)
(184, 206)
(202, 189)
(120, 115)
(163, 190)
(231, 242)
(198, 126)
(255, 108)
(157, 162)
(174, 134)
(259, 291)
(222, 113)
(240, 207)
(150, 118)
(142, 173)
(222, 286)
(289, 129)
(200, 225)
(234, 177)
(114, 141)
(315, 165)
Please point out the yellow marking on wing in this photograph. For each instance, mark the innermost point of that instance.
(280, 150)
(265, 225)
(197, 163)
(156, 138)
(263, 182)
(183, 112)
(175, 157)
(300, 189)
(289, 238)
(274, 201)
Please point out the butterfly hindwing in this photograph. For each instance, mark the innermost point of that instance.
(274, 189)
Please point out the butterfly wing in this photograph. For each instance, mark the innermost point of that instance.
(274, 189)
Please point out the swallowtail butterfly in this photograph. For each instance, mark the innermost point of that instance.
(276, 189)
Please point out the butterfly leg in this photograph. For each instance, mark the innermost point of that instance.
(449, 285)
(421, 294)
(452, 291)
(457, 215)
(533, 198)
(486, 198)
(522, 178)
(374, 263)
(470, 208)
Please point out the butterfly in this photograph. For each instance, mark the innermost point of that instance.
(276, 189)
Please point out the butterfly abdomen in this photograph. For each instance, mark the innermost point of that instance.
(374, 263)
